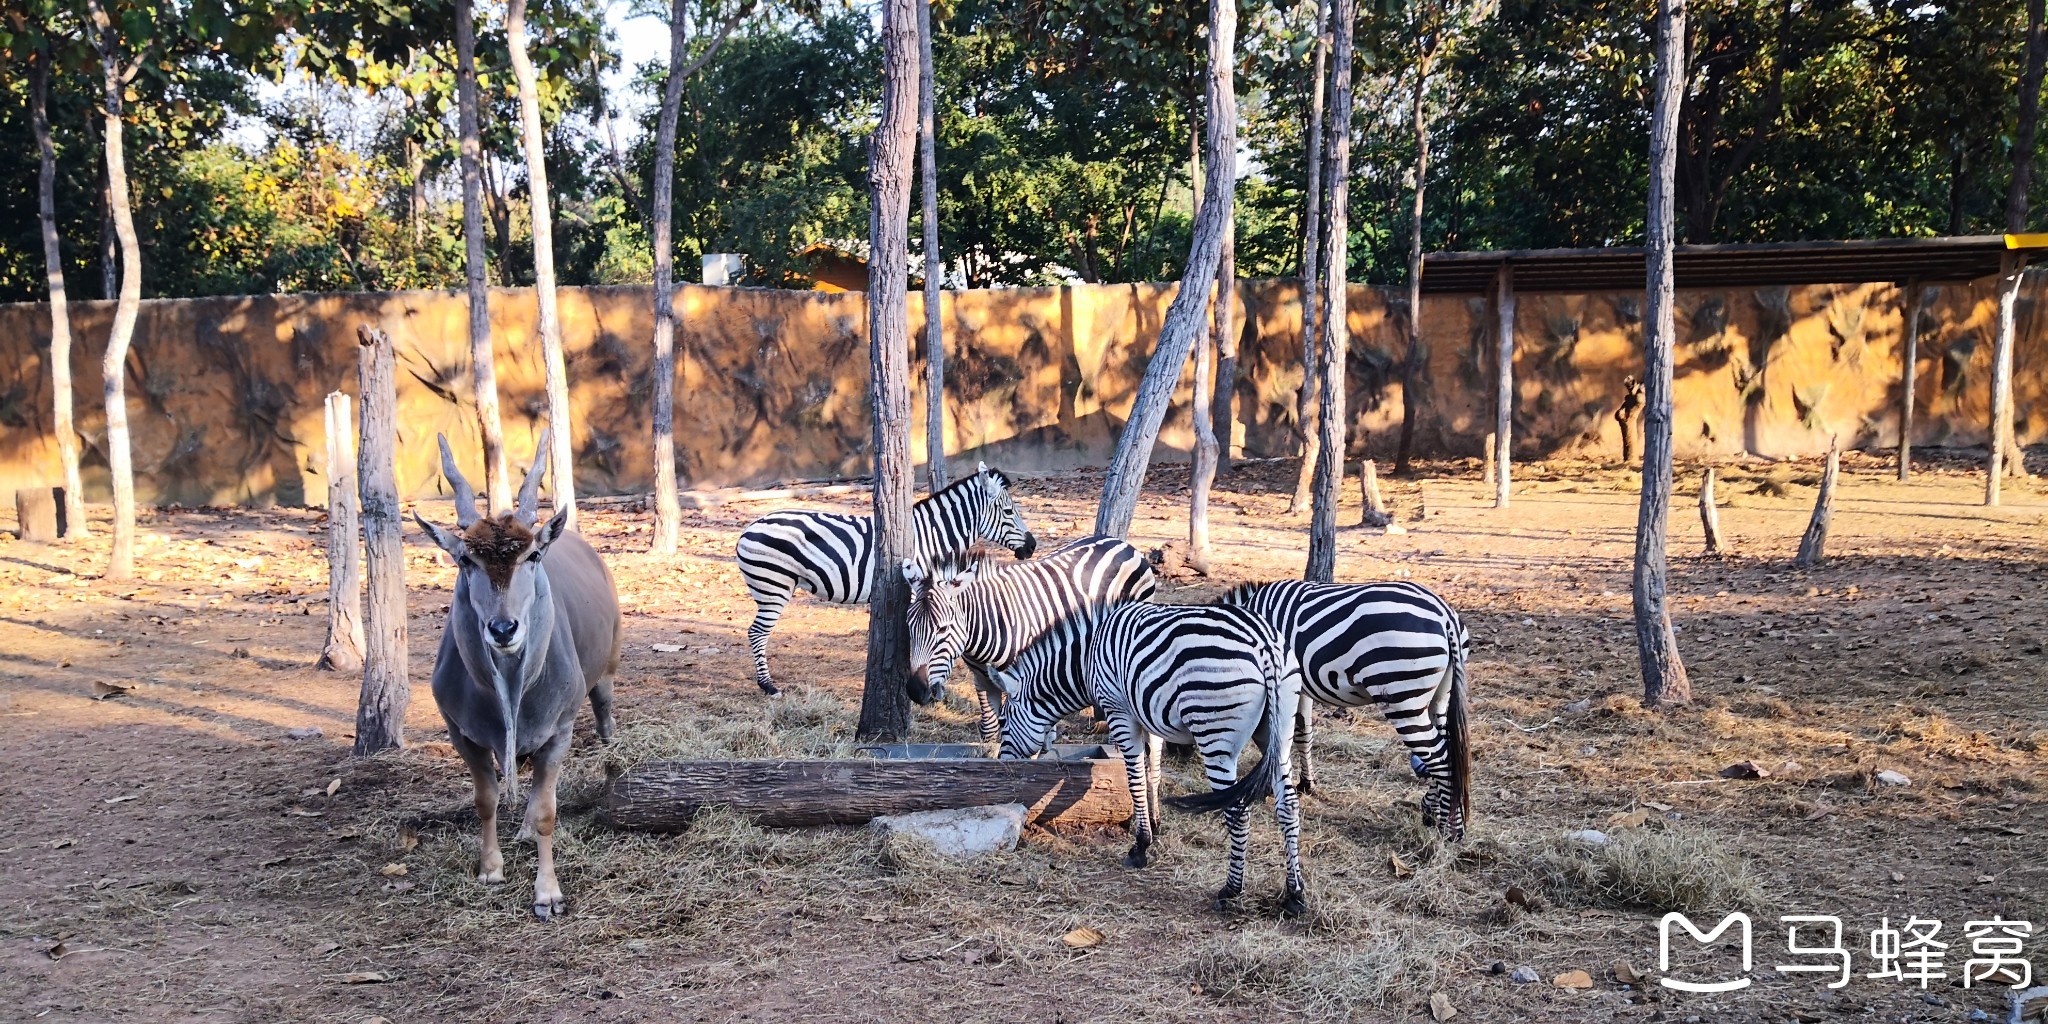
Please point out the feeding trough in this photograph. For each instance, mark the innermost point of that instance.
(1077, 784)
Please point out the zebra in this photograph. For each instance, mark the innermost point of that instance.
(1395, 644)
(1213, 676)
(1021, 628)
(831, 555)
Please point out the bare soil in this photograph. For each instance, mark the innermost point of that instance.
(172, 853)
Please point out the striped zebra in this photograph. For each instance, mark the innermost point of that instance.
(831, 555)
(1212, 676)
(1395, 644)
(1021, 627)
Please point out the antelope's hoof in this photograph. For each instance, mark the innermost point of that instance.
(1295, 904)
(525, 832)
(491, 875)
(549, 904)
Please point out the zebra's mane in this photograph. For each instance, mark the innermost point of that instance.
(967, 481)
(1241, 594)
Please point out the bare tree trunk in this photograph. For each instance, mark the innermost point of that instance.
(1203, 472)
(60, 311)
(344, 649)
(1188, 316)
(1225, 414)
(561, 422)
(387, 687)
(1915, 295)
(668, 512)
(1329, 478)
(1411, 367)
(483, 365)
(1664, 678)
(1813, 546)
(113, 366)
(885, 698)
(1487, 470)
(2010, 271)
(2006, 455)
(1504, 395)
(934, 267)
(1215, 374)
(1710, 516)
(1311, 275)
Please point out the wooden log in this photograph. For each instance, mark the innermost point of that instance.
(35, 510)
(1812, 547)
(387, 689)
(1710, 516)
(344, 649)
(662, 796)
(2009, 267)
(1487, 469)
(1914, 297)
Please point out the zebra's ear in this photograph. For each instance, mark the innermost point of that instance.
(913, 573)
(981, 467)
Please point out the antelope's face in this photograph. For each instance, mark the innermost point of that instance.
(936, 635)
(498, 562)
(1001, 522)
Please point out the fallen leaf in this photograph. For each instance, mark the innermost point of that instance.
(308, 732)
(1573, 979)
(59, 951)
(1401, 869)
(667, 648)
(1516, 896)
(394, 870)
(119, 799)
(408, 838)
(1440, 1007)
(1655, 806)
(102, 690)
(1819, 811)
(300, 812)
(1745, 770)
(62, 843)
(1629, 819)
(1898, 876)
(333, 788)
(1625, 973)
(365, 978)
(325, 948)
(1986, 879)
(1083, 937)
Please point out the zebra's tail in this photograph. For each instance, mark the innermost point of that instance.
(1457, 735)
(1256, 785)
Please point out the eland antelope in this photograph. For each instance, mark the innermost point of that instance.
(534, 629)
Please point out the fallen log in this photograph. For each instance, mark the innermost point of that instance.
(662, 796)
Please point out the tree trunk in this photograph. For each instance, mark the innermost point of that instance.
(668, 511)
(113, 366)
(387, 687)
(1305, 415)
(1203, 471)
(1225, 414)
(344, 649)
(1813, 546)
(1504, 395)
(1215, 376)
(2009, 275)
(2006, 456)
(1664, 678)
(1915, 295)
(562, 460)
(61, 394)
(934, 267)
(1710, 516)
(483, 366)
(1411, 367)
(663, 796)
(885, 698)
(1188, 316)
(1329, 478)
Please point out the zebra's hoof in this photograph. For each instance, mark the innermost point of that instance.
(770, 690)
(1306, 787)
(1137, 858)
(1227, 897)
(1294, 905)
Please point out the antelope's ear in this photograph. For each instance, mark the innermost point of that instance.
(550, 532)
(449, 542)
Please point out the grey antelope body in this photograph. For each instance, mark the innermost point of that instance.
(1215, 677)
(533, 631)
(1394, 644)
(832, 555)
(1023, 629)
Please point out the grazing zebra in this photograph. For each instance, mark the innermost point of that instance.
(1212, 676)
(1395, 644)
(1021, 628)
(832, 555)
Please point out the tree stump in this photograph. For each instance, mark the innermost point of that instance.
(1812, 547)
(1376, 514)
(344, 649)
(387, 688)
(1710, 517)
(35, 509)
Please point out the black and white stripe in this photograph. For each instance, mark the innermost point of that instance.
(1215, 677)
(1394, 644)
(1023, 627)
(832, 555)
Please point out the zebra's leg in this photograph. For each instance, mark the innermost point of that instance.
(1304, 741)
(1287, 810)
(1134, 744)
(1220, 766)
(771, 596)
(986, 698)
(1155, 746)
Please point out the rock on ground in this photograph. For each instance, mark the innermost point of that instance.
(960, 832)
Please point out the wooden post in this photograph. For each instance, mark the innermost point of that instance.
(387, 689)
(2009, 267)
(1504, 398)
(934, 266)
(1812, 547)
(1631, 403)
(1915, 295)
(1486, 468)
(35, 509)
(344, 649)
(1376, 514)
(1710, 517)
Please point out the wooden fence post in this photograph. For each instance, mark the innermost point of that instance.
(380, 714)
(1486, 465)
(1710, 517)
(1812, 547)
(35, 510)
(344, 649)
(1504, 400)
(1915, 295)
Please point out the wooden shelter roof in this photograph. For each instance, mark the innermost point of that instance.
(1620, 268)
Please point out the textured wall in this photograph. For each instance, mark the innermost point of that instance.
(225, 393)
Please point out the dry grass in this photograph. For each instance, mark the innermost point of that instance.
(1659, 870)
(1390, 964)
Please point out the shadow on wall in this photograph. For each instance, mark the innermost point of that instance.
(225, 393)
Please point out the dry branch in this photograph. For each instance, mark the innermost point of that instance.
(662, 796)
(1812, 546)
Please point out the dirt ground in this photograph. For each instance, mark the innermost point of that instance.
(173, 853)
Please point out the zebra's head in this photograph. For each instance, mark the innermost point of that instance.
(936, 633)
(997, 520)
(1026, 732)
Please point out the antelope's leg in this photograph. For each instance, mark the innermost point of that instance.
(601, 706)
(540, 820)
(483, 777)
